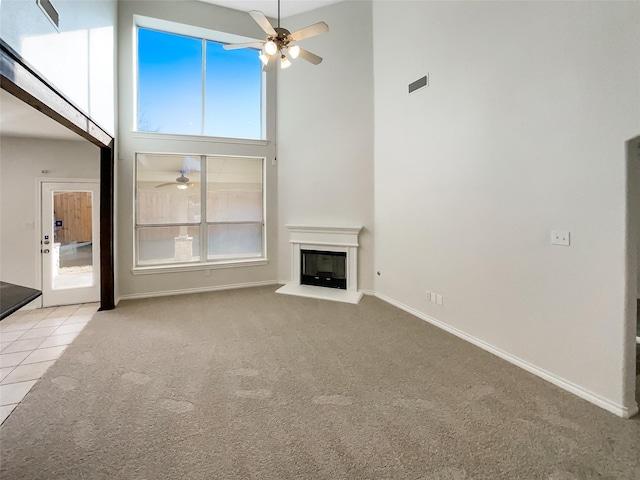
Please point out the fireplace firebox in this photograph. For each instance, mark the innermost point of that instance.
(323, 269)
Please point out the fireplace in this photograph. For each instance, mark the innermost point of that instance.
(324, 263)
(323, 269)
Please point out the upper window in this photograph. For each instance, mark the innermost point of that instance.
(192, 86)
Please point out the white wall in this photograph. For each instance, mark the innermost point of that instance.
(325, 132)
(78, 59)
(21, 163)
(521, 131)
(211, 17)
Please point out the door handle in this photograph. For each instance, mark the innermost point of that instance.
(46, 250)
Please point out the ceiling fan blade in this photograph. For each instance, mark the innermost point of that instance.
(273, 59)
(234, 46)
(165, 184)
(263, 22)
(310, 31)
(309, 57)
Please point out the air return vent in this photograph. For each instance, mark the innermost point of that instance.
(418, 84)
(51, 12)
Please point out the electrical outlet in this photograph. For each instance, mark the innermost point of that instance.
(434, 297)
(560, 237)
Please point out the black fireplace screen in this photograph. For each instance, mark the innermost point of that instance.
(323, 269)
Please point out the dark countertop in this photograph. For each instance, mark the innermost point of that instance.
(13, 297)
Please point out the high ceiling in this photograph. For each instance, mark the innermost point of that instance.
(270, 7)
(22, 120)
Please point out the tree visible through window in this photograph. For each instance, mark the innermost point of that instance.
(192, 86)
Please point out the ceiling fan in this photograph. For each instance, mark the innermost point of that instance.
(280, 43)
(181, 182)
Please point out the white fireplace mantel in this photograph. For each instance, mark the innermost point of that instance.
(326, 238)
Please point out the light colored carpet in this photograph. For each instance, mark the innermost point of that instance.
(251, 384)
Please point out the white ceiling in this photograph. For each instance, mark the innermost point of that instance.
(19, 119)
(270, 7)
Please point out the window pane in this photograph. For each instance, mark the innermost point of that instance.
(169, 83)
(234, 189)
(162, 245)
(233, 241)
(72, 239)
(233, 93)
(168, 189)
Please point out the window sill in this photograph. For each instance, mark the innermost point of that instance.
(198, 138)
(178, 268)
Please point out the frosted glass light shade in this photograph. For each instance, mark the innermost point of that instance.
(284, 62)
(294, 51)
(270, 47)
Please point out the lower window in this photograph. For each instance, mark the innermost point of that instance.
(198, 209)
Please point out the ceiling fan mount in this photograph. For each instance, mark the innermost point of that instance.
(281, 45)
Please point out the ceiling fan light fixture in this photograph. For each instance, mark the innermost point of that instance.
(294, 51)
(281, 42)
(264, 58)
(284, 62)
(182, 186)
(270, 47)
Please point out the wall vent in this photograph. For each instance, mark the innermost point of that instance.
(50, 11)
(418, 84)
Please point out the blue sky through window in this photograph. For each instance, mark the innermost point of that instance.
(233, 92)
(170, 93)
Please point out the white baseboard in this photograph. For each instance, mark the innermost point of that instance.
(620, 410)
(214, 288)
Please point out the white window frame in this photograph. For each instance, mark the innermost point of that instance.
(204, 263)
(140, 21)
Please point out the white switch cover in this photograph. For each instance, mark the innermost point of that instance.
(560, 237)
(439, 299)
(433, 297)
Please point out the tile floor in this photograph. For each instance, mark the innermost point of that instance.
(30, 342)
